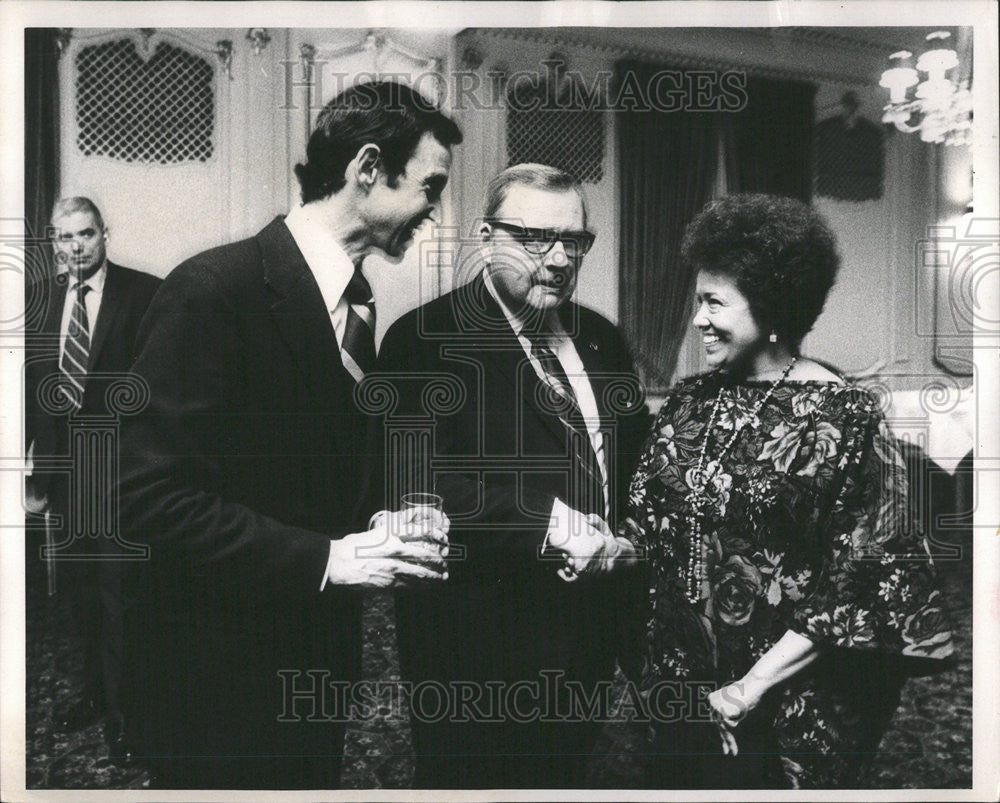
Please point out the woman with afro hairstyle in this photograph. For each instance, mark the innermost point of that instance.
(786, 591)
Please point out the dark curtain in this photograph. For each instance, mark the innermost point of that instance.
(666, 169)
(667, 163)
(769, 143)
(41, 139)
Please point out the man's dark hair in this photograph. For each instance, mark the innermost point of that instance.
(780, 253)
(387, 114)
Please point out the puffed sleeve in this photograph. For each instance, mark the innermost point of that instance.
(876, 587)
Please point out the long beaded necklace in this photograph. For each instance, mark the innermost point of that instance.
(698, 501)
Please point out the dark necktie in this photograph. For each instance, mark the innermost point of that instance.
(586, 489)
(76, 348)
(358, 347)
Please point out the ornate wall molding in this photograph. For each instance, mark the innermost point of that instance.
(617, 43)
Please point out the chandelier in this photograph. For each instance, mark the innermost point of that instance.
(939, 108)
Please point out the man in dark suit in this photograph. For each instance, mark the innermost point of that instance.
(531, 460)
(80, 343)
(247, 472)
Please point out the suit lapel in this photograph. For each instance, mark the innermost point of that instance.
(57, 298)
(507, 358)
(44, 350)
(111, 302)
(300, 313)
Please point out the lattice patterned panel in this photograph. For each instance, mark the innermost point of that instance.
(570, 139)
(157, 110)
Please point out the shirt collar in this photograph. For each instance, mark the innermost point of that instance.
(325, 257)
(556, 331)
(96, 281)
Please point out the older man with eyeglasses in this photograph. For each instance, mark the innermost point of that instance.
(511, 659)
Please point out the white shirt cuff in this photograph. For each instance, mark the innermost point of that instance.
(329, 561)
(558, 519)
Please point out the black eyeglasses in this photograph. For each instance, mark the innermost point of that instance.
(540, 241)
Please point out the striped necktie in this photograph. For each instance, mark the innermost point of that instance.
(357, 350)
(76, 348)
(587, 486)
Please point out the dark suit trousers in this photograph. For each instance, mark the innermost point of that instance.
(92, 593)
(91, 590)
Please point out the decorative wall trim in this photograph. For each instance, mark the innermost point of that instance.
(146, 38)
(836, 39)
(380, 48)
(815, 39)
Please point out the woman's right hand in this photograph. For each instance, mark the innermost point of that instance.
(730, 705)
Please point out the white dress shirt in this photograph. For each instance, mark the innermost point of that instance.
(92, 302)
(562, 346)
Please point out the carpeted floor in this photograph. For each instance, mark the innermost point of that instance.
(929, 744)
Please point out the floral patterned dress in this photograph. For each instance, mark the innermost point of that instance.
(807, 530)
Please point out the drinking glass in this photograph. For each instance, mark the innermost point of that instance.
(430, 500)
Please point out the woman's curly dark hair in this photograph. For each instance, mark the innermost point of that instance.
(780, 253)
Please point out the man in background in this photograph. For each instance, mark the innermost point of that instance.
(86, 327)
(534, 460)
(248, 473)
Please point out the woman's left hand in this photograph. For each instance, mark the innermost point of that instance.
(730, 705)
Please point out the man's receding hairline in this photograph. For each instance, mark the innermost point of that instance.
(74, 204)
(551, 190)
